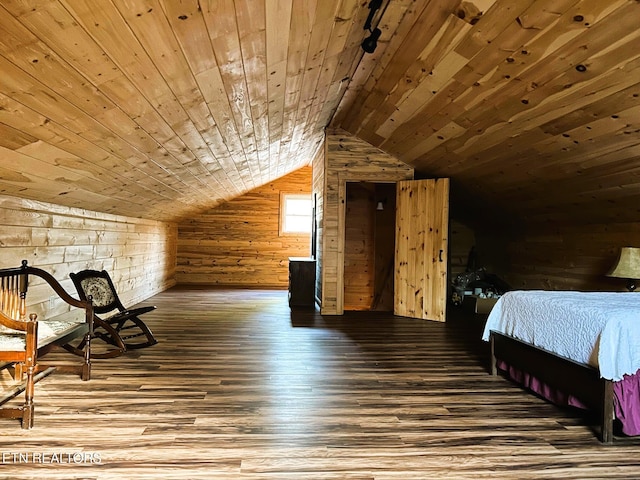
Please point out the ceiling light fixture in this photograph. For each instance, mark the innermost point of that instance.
(374, 5)
(370, 43)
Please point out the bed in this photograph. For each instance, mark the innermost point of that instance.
(573, 348)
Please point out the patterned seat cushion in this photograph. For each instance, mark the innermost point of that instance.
(48, 331)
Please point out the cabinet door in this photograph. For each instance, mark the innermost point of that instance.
(302, 282)
(422, 228)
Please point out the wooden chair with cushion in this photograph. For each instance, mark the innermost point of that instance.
(24, 340)
(120, 329)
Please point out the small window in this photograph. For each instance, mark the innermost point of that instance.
(295, 213)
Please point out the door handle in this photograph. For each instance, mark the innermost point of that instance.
(440, 255)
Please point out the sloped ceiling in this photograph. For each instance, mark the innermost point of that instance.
(164, 108)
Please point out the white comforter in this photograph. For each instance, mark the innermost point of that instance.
(601, 329)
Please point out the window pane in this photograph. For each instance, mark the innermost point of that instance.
(298, 224)
(298, 206)
(297, 212)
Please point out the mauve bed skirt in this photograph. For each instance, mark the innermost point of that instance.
(626, 393)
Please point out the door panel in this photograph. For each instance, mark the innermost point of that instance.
(422, 228)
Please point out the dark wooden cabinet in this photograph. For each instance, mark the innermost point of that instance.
(302, 282)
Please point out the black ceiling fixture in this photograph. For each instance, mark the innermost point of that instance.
(370, 43)
(373, 6)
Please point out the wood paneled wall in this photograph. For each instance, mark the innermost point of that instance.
(558, 257)
(359, 247)
(319, 188)
(385, 243)
(461, 241)
(347, 159)
(238, 244)
(140, 255)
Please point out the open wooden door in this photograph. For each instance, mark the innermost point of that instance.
(422, 229)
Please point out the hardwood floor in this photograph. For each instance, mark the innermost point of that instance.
(240, 387)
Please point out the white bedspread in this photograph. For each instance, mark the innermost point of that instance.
(601, 329)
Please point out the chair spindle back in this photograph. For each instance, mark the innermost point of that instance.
(13, 294)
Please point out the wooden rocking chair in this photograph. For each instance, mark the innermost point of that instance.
(120, 328)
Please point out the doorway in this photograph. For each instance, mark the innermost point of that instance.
(369, 246)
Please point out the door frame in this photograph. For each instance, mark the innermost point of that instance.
(343, 178)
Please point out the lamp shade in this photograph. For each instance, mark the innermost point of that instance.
(628, 264)
(370, 43)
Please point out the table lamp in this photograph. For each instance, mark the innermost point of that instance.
(627, 266)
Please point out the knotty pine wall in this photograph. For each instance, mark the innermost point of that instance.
(558, 257)
(318, 185)
(359, 247)
(237, 243)
(385, 247)
(140, 255)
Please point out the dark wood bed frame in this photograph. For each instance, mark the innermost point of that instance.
(577, 379)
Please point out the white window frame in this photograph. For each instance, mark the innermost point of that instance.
(283, 214)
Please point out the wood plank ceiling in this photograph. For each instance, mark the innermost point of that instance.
(163, 108)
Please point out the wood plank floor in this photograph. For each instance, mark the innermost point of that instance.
(241, 388)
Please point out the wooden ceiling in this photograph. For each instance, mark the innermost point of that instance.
(163, 108)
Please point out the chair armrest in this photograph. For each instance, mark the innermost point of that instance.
(25, 349)
(10, 323)
(56, 286)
